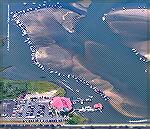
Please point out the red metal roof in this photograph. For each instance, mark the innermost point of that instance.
(98, 105)
(61, 102)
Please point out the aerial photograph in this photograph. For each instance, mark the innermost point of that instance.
(75, 63)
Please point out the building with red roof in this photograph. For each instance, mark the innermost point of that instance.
(61, 104)
(98, 106)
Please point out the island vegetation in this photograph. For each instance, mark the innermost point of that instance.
(76, 119)
(11, 89)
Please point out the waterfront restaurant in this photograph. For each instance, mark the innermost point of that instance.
(61, 104)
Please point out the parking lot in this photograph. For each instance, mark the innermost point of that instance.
(32, 110)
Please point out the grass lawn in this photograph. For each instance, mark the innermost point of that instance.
(76, 119)
(10, 89)
(41, 86)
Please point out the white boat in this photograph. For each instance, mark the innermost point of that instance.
(137, 53)
(17, 21)
(87, 84)
(23, 11)
(105, 98)
(90, 110)
(81, 80)
(82, 102)
(74, 102)
(14, 15)
(41, 66)
(134, 50)
(94, 88)
(33, 54)
(123, 8)
(77, 91)
(24, 3)
(32, 58)
(90, 96)
(24, 32)
(37, 63)
(88, 100)
(64, 80)
(87, 107)
(20, 24)
(29, 42)
(103, 18)
(69, 76)
(32, 49)
(100, 110)
(102, 94)
(81, 110)
(51, 71)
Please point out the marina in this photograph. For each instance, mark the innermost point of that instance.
(77, 86)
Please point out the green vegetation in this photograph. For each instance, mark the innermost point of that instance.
(41, 86)
(61, 92)
(10, 89)
(76, 119)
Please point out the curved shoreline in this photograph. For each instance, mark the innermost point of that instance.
(112, 95)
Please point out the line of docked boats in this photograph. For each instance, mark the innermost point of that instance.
(57, 5)
(143, 59)
(82, 101)
(33, 58)
(88, 109)
(28, 40)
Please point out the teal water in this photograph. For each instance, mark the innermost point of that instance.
(125, 72)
